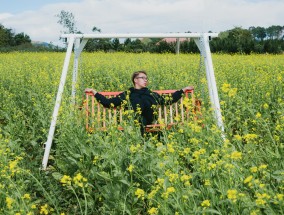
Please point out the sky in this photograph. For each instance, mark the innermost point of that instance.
(37, 18)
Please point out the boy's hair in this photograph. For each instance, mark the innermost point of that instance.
(135, 74)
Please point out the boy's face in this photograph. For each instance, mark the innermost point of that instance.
(141, 81)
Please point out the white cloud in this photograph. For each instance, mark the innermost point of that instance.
(5, 16)
(124, 16)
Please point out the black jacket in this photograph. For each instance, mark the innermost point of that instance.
(143, 98)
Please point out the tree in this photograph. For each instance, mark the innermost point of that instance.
(67, 20)
(116, 44)
(6, 37)
(239, 40)
(127, 41)
(96, 29)
(259, 33)
(275, 31)
(98, 44)
(21, 38)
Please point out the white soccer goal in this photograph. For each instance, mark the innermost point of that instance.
(79, 41)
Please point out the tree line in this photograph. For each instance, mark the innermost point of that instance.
(10, 41)
(236, 40)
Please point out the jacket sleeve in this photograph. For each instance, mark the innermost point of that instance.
(109, 102)
(173, 98)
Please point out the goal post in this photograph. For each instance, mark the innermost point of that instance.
(78, 41)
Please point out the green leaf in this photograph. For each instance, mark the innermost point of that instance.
(125, 182)
(57, 175)
(212, 211)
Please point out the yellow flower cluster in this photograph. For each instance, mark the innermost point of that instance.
(79, 180)
(262, 198)
(205, 203)
(66, 180)
(169, 191)
(236, 155)
(248, 179)
(9, 202)
(96, 159)
(153, 211)
(199, 152)
(130, 168)
(232, 195)
(13, 165)
(135, 148)
(140, 193)
(250, 138)
(226, 88)
(45, 210)
(185, 179)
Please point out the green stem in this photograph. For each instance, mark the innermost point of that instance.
(49, 197)
(77, 198)
(86, 204)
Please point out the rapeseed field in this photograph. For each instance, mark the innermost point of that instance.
(192, 168)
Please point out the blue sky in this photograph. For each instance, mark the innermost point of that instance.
(38, 18)
(16, 6)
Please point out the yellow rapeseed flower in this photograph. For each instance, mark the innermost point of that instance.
(262, 166)
(169, 190)
(205, 203)
(185, 177)
(173, 177)
(279, 196)
(186, 150)
(132, 148)
(253, 169)
(260, 201)
(44, 209)
(13, 164)
(139, 193)
(9, 202)
(153, 193)
(248, 179)
(130, 168)
(250, 136)
(255, 212)
(66, 180)
(153, 211)
(236, 155)
(238, 137)
(207, 182)
(26, 196)
(258, 115)
(232, 92)
(225, 87)
(265, 106)
(194, 141)
(212, 166)
(79, 180)
(96, 159)
(170, 148)
(232, 195)
(160, 181)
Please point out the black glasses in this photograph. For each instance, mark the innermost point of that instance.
(144, 78)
